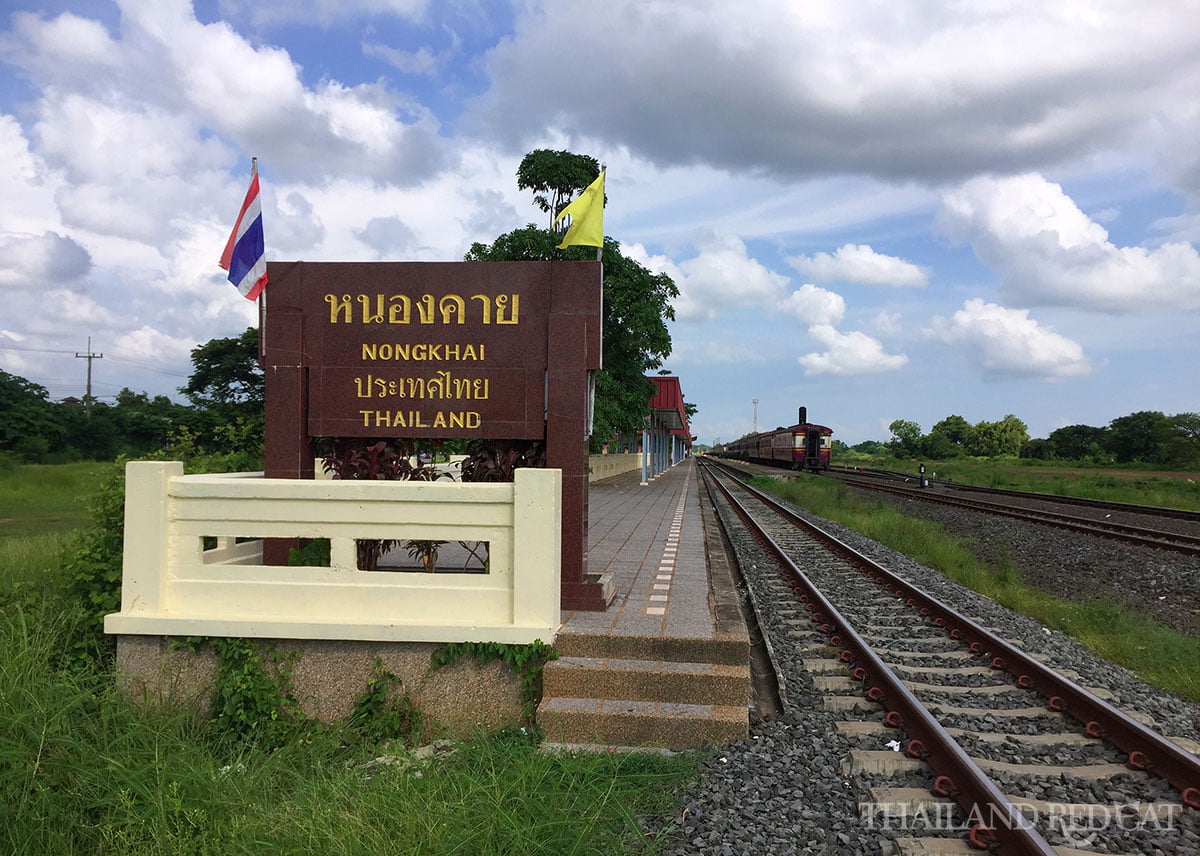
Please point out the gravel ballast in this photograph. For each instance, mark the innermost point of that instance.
(787, 789)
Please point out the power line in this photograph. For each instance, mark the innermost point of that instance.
(139, 364)
(35, 350)
(147, 366)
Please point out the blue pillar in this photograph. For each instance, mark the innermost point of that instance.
(645, 452)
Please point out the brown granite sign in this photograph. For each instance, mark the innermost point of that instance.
(489, 350)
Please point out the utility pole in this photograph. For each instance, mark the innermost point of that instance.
(755, 400)
(89, 356)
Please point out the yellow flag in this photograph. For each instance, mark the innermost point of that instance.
(587, 217)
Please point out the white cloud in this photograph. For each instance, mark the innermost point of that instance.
(1008, 343)
(722, 276)
(860, 263)
(886, 322)
(811, 304)
(852, 353)
(147, 343)
(28, 261)
(1048, 252)
(295, 226)
(167, 67)
(905, 92)
(47, 315)
(389, 237)
(421, 61)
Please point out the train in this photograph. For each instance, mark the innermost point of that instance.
(803, 446)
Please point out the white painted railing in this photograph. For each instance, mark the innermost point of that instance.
(173, 586)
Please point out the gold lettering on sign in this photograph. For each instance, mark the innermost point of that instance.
(468, 419)
(502, 309)
(422, 352)
(443, 385)
(502, 305)
(452, 306)
(448, 309)
(398, 312)
(338, 305)
(369, 317)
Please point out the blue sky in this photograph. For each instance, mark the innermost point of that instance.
(880, 211)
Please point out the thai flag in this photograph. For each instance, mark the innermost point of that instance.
(244, 256)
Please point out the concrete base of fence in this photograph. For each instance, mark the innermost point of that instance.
(326, 677)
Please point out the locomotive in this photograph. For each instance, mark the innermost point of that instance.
(804, 446)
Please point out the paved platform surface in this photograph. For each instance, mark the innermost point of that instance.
(667, 664)
(651, 539)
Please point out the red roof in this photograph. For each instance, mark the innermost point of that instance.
(667, 408)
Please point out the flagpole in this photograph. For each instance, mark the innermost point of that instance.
(262, 295)
(600, 249)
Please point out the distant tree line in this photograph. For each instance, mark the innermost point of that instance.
(1147, 437)
(225, 391)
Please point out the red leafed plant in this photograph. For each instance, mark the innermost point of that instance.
(395, 460)
(403, 460)
(495, 460)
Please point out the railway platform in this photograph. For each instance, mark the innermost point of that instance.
(667, 664)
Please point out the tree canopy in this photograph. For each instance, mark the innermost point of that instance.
(555, 177)
(226, 376)
(1147, 436)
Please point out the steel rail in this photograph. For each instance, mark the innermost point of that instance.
(1173, 541)
(1145, 748)
(1086, 502)
(997, 824)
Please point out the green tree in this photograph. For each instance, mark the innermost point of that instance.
(1136, 437)
(1076, 442)
(869, 447)
(226, 376)
(954, 429)
(906, 437)
(555, 177)
(29, 426)
(96, 436)
(147, 424)
(1182, 446)
(636, 308)
(938, 447)
(1038, 449)
(995, 439)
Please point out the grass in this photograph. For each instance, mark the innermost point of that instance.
(83, 771)
(37, 499)
(1127, 484)
(1161, 656)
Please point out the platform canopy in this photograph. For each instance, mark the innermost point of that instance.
(667, 410)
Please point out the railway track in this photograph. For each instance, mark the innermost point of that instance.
(992, 723)
(1143, 536)
(1024, 495)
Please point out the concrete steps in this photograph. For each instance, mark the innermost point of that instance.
(645, 691)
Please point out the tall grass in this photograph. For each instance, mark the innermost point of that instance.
(84, 771)
(1161, 656)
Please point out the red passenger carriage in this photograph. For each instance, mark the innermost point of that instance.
(803, 446)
